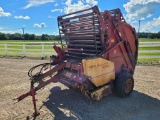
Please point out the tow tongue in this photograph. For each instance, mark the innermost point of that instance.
(38, 78)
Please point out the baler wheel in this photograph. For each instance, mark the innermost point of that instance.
(124, 84)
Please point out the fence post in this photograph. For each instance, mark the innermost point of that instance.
(42, 51)
(24, 50)
(6, 50)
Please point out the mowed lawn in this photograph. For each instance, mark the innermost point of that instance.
(33, 48)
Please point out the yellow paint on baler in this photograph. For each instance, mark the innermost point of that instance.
(100, 71)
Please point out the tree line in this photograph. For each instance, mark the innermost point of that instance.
(149, 35)
(26, 36)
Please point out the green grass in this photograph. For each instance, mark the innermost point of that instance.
(148, 40)
(149, 54)
(149, 48)
(149, 61)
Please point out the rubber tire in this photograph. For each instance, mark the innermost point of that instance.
(120, 84)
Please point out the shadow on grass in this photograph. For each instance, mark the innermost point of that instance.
(70, 105)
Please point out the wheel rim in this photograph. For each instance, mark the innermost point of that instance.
(128, 86)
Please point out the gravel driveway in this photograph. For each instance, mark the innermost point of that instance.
(57, 102)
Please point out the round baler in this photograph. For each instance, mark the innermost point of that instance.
(98, 53)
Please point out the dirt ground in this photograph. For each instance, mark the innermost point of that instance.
(57, 102)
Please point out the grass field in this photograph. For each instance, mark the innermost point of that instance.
(149, 48)
(148, 40)
(149, 60)
(150, 54)
(26, 41)
(33, 48)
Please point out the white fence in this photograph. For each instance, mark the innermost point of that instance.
(149, 44)
(25, 50)
(39, 50)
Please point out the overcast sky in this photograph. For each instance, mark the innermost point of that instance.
(40, 16)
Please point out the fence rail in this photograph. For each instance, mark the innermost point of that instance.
(45, 49)
(23, 49)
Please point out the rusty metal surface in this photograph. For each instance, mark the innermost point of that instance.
(128, 86)
(122, 46)
(82, 23)
(53, 70)
(103, 34)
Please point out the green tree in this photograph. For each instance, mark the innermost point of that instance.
(10, 36)
(26, 36)
(17, 36)
(44, 37)
(37, 37)
(3, 36)
(32, 36)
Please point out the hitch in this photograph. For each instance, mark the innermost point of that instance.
(41, 85)
(40, 76)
